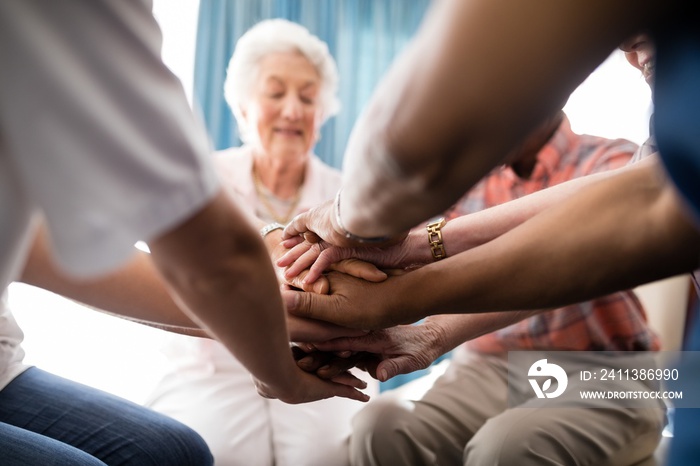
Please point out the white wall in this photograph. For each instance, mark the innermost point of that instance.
(613, 102)
(178, 21)
(123, 357)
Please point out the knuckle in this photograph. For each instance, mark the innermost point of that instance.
(303, 309)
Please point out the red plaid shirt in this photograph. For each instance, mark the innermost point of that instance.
(614, 322)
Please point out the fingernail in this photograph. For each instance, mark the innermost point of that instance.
(308, 347)
(382, 375)
(305, 361)
(323, 368)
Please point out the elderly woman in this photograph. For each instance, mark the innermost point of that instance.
(281, 86)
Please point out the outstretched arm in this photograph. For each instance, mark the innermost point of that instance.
(616, 234)
(137, 291)
(407, 348)
(459, 235)
(219, 270)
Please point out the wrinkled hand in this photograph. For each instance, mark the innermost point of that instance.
(352, 303)
(321, 256)
(319, 224)
(383, 353)
(312, 330)
(351, 266)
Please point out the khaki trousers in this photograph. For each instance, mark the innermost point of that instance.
(464, 419)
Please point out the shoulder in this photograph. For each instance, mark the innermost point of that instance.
(232, 156)
(619, 144)
(596, 153)
(234, 166)
(233, 160)
(588, 145)
(600, 147)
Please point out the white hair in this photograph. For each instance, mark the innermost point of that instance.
(273, 36)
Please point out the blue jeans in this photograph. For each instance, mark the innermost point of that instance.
(45, 419)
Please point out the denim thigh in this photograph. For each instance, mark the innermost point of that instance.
(20, 447)
(113, 430)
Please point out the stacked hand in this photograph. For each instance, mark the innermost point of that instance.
(306, 386)
(383, 353)
(344, 295)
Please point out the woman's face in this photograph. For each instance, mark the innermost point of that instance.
(283, 111)
(639, 51)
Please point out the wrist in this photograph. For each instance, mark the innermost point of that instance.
(437, 247)
(272, 235)
(441, 334)
(279, 391)
(425, 247)
(418, 253)
(340, 226)
(269, 228)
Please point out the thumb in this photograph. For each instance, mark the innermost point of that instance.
(360, 269)
(392, 367)
(302, 304)
(320, 286)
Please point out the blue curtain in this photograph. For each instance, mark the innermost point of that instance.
(364, 36)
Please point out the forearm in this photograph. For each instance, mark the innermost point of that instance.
(136, 291)
(220, 269)
(459, 234)
(455, 329)
(436, 125)
(468, 231)
(615, 235)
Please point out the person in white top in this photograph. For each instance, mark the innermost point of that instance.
(98, 143)
(281, 86)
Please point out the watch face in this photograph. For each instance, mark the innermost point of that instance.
(438, 222)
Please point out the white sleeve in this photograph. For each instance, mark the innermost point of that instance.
(99, 129)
